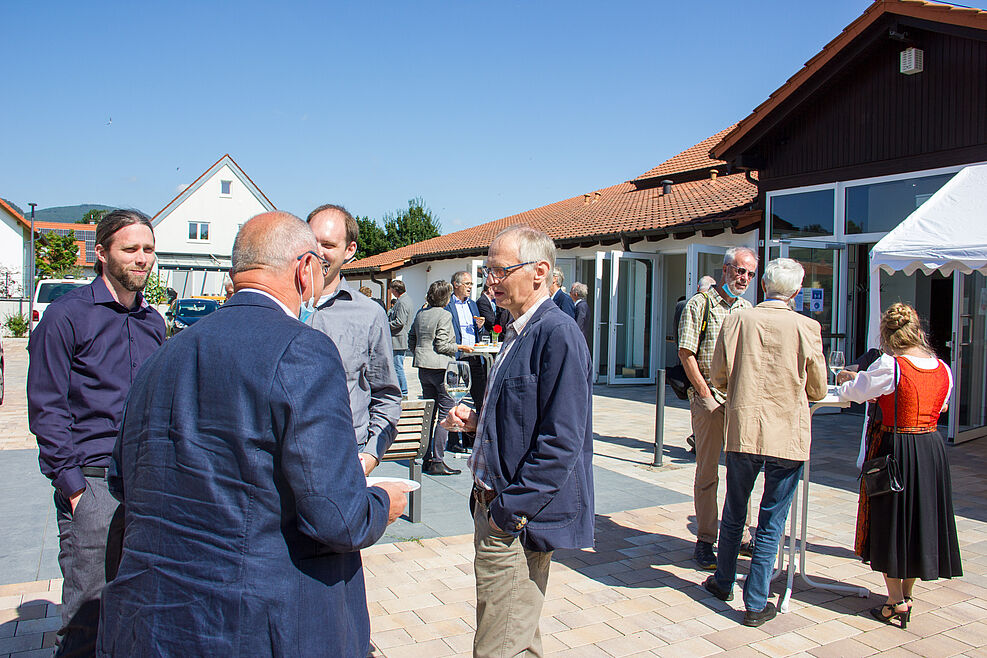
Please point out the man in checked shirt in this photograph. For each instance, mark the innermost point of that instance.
(83, 357)
(532, 458)
(705, 402)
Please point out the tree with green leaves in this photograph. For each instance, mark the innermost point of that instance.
(413, 225)
(372, 239)
(92, 217)
(57, 259)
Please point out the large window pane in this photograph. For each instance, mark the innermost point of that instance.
(880, 207)
(803, 214)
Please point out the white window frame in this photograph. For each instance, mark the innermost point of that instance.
(198, 231)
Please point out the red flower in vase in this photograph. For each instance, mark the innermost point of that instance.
(497, 328)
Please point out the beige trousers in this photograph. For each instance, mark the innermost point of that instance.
(510, 592)
(710, 438)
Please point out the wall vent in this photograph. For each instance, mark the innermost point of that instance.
(912, 61)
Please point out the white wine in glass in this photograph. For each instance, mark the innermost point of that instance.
(457, 379)
(837, 362)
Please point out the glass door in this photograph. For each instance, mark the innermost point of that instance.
(822, 290)
(703, 260)
(633, 318)
(601, 314)
(969, 401)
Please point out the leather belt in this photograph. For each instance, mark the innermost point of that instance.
(910, 430)
(94, 471)
(483, 495)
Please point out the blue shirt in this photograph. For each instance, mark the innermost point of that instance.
(464, 316)
(84, 355)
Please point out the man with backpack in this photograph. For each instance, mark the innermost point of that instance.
(698, 328)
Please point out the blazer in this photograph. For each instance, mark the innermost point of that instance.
(246, 506)
(582, 316)
(489, 312)
(458, 332)
(537, 443)
(430, 339)
(770, 362)
(564, 302)
(399, 317)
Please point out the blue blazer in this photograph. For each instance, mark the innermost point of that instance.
(474, 311)
(537, 435)
(564, 302)
(246, 506)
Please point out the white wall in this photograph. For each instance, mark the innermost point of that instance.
(12, 249)
(224, 214)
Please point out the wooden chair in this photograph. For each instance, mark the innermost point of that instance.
(414, 432)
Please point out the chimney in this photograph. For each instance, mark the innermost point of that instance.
(713, 173)
(586, 198)
(666, 187)
(596, 196)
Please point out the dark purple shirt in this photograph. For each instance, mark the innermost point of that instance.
(85, 354)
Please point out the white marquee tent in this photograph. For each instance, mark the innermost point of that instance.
(947, 233)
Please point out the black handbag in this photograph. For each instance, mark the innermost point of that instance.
(882, 475)
(675, 376)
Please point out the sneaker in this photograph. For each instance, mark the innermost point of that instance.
(704, 557)
(747, 548)
(691, 440)
(755, 619)
(713, 587)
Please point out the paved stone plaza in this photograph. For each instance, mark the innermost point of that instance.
(636, 593)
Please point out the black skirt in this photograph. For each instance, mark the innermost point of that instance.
(913, 533)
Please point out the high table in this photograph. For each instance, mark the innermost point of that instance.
(796, 514)
(488, 352)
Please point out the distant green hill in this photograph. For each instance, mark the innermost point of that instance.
(67, 213)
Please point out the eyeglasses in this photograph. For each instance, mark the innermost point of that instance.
(500, 273)
(322, 261)
(742, 271)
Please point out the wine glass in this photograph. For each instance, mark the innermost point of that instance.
(837, 362)
(457, 379)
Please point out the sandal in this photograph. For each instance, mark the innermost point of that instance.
(902, 617)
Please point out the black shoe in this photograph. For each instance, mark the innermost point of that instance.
(439, 468)
(755, 619)
(747, 548)
(713, 587)
(691, 440)
(704, 557)
(456, 448)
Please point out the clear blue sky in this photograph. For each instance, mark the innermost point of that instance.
(485, 109)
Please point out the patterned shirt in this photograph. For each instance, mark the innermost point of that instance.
(691, 324)
(476, 461)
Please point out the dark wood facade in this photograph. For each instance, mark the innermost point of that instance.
(860, 117)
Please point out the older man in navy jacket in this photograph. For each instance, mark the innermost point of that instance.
(246, 505)
(532, 460)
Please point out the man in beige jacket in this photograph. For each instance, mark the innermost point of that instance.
(769, 360)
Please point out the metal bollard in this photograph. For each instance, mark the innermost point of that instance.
(659, 418)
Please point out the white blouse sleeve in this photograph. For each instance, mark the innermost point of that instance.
(874, 382)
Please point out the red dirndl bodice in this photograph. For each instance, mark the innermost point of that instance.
(921, 394)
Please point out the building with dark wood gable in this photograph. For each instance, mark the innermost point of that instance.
(854, 142)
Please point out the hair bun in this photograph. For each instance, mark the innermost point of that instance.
(899, 315)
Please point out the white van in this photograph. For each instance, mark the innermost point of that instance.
(49, 290)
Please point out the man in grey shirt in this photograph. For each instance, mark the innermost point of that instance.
(359, 328)
(400, 319)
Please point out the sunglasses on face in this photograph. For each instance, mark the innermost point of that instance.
(742, 271)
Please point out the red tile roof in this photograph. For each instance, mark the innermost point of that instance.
(931, 11)
(604, 216)
(691, 159)
(16, 215)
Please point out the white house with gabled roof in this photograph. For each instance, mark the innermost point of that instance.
(194, 233)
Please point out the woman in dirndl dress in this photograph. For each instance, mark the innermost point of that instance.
(912, 533)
